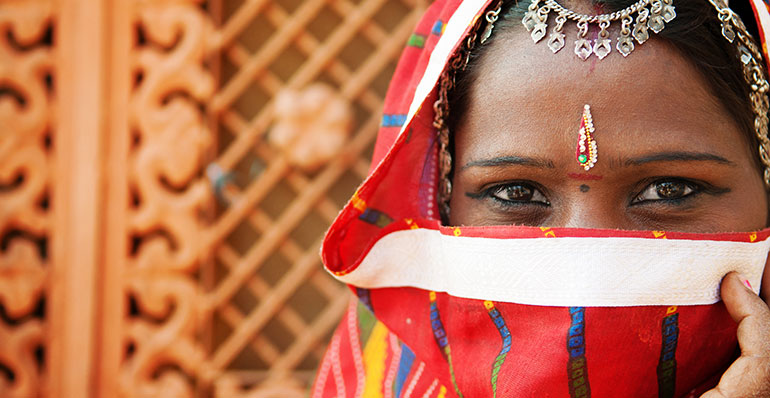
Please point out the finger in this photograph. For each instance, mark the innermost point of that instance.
(746, 377)
(714, 393)
(751, 313)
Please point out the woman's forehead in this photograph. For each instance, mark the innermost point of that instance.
(524, 96)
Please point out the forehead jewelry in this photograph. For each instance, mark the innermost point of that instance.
(733, 30)
(750, 56)
(586, 152)
(645, 15)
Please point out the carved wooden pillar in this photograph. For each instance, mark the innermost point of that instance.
(113, 305)
(77, 200)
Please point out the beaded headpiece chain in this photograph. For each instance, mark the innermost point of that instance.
(645, 15)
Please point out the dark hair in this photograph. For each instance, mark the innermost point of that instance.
(695, 33)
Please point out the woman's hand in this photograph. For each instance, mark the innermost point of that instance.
(749, 375)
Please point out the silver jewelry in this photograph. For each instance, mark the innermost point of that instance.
(734, 31)
(650, 15)
(491, 18)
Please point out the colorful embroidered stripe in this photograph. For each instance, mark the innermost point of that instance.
(404, 367)
(499, 322)
(416, 40)
(667, 364)
(375, 353)
(339, 380)
(415, 379)
(441, 338)
(393, 120)
(428, 183)
(432, 387)
(577, 371)
(438, 28)
(375, 217)
(355, 344)
(395, 359)
(365, 298)
(366, 320)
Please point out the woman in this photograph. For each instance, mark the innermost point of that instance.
(594, 181)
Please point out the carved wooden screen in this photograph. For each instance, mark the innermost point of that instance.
(157, 236)
(25, 184)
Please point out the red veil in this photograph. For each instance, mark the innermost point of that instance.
(488, 311)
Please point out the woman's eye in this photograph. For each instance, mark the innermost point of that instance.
(666, 190)
(517, 193)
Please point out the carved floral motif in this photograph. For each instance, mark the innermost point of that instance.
(311, 126)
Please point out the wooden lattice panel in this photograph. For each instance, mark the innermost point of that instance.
(26, 93)
(225, 288)
(274, 307)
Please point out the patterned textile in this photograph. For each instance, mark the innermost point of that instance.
(405, 340)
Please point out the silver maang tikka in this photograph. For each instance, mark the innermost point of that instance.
(637, 21)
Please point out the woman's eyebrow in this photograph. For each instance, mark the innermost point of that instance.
(510, 160)
(678, 157)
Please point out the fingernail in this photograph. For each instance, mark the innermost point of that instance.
(747, 284)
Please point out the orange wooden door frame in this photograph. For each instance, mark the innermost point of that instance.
(78, 199)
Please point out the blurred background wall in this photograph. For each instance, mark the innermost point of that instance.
(167, 171)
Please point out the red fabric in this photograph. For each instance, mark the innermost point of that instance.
(436, 345)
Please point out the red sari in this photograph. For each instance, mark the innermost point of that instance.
(513, 311)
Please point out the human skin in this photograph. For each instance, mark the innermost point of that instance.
(670, 157)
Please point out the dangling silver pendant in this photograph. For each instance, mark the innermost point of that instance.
(556, 41)
(669, 13)
(746, 56)
(491, 19)
(583, 49)
(530, 17)
(539, 32)
(640, 33)
(625, 45)
(602, 47)
(656, 23)
(487, 33)
(728, 32)
(529, 20)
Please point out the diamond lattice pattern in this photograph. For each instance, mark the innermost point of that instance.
(273, 308)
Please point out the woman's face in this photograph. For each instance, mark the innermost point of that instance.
(669, 156)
